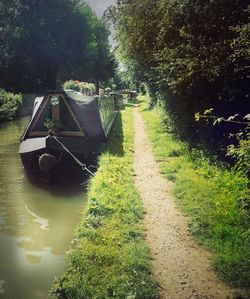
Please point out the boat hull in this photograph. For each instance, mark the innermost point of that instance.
(64, 166)
(66, 130)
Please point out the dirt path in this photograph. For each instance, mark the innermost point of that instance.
(180, 267)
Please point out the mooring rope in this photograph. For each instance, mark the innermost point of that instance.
(83, 166)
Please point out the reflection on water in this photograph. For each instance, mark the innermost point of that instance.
(36, 223)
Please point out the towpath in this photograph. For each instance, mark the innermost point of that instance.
(180, 267)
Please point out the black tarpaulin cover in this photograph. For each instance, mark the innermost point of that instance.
(87, 113)
(70, 113)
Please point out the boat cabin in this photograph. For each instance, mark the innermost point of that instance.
(54, 114)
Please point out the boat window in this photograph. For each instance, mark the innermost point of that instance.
(45, 119)
(68, 123)
(55, 114)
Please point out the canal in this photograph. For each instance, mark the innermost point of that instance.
(37, 223)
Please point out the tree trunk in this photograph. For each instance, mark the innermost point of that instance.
(51, 73)
(97, 86)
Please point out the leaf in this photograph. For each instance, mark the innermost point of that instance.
(247, 117)
(232, 117)
(218, 121)
(208, 111)
(197, 116)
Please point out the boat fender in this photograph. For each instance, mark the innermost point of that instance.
(47, 162)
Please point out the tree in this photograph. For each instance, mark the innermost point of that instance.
(44, 41)
(193, 54)
(104, 61)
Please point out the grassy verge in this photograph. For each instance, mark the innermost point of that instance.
(214, 197)
(108, 257)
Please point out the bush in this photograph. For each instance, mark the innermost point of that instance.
(71, 85)
(241, 151)
(199, 60)
(9, 104)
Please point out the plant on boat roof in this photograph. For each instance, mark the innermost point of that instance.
(71, 85)
(52, 124)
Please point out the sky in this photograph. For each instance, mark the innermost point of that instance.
(99, 6)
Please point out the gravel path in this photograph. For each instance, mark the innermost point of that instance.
(180, 267)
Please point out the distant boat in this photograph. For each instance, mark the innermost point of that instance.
(66, 129)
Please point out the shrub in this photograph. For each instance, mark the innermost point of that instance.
(241, 151)
(199, 59)
(9, 104)
(71, 85)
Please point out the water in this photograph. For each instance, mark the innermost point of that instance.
(37, 223)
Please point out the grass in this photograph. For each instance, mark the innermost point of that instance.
(108, 257)
(213, 196)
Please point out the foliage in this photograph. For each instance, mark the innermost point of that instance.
(86, 87)
(108, 257)
(192, 55)
(104, 61)
(51, 124)
(216, 198)
(9, 104)
(71, 84)
(239, 150)
(219, 119)
(42, 44)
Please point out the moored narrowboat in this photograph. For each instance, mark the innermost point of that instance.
(67, 130)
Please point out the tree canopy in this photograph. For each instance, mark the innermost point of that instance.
(44, 41)
(192, 54)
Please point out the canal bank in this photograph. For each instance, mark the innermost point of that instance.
(36, 223)
(108, 256)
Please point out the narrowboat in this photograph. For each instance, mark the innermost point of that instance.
(67, 129)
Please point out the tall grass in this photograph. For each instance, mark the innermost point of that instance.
(216, 198)
(108, 257)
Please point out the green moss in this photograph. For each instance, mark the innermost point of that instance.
(108, 257)
(215, 197)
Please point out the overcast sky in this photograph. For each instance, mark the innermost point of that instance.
(99, 6)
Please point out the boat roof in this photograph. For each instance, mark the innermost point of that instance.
(74, 95)
(84, 109)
